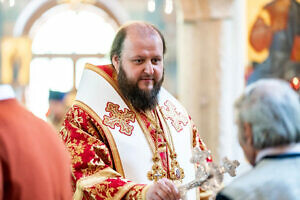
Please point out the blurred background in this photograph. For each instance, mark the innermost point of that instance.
(214, 49)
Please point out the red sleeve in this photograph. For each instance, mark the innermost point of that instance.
(93, 172)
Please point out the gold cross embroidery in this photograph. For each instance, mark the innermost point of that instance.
(119, 118)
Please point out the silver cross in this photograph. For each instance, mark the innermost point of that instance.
(209, 176)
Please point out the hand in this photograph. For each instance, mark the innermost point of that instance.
(163, 189)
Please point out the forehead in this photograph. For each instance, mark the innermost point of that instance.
(142, 39)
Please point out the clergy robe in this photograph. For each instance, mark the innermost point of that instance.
(112, 144)
(34, 163)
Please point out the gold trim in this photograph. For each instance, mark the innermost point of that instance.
(142, 125)
(145, 190)
(144, 130)
(99, 177)
(89, 181)
(166, 128)
(110, 139)
(100, 72)
(169, 139)
(114, 84)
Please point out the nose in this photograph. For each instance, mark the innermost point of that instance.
(149, 68)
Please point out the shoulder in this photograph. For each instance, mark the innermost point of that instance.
(17, 120)
(253, 183)
(167, 100)
(21, 131)
(238, 189)
(173, 111)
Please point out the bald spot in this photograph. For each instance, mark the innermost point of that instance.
(140, 30)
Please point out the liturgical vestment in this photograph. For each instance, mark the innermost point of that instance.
(112, 144)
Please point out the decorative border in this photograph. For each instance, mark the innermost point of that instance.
(99, 177)
(108, 135)
(114, 84)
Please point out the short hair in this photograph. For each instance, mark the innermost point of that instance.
(117, 45)
(272, 108)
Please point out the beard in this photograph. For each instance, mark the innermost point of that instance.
(139, 99)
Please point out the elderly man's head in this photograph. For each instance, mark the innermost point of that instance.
(268, 115)
(137, 54)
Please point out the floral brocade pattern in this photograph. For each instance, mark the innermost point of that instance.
(92, 155)
(135, 192)
(107, 189)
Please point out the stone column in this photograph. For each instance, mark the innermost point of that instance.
(203, 64)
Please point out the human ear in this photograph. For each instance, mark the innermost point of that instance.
(248, 133)
(249, 149)
(116, 62)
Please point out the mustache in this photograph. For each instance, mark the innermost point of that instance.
(140, 99)
(146, 76)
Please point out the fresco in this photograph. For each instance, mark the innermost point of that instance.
(273, 40)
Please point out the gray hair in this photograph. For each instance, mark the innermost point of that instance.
(272, 108)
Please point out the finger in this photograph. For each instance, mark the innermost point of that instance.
(164, 186)
(163, 191)
(162, 194)
(155, 196)
(173, 189)
(152, 194)
(168, 189)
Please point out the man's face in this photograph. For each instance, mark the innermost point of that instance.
(140, 68)
(142, 59)
(140, 99)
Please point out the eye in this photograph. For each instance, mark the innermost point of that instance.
(138, 61)
(155, 60)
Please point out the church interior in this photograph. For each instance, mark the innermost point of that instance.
(213, 52)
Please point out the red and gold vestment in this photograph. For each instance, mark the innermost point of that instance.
(111, 144)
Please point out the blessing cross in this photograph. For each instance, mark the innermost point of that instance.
(209, 176)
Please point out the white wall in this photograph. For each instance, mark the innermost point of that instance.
(233, 62)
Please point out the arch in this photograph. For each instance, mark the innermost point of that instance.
(36, 8)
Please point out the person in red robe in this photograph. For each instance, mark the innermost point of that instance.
(128, 137)
(33, 161)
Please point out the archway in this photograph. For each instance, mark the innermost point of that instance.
(64, 37)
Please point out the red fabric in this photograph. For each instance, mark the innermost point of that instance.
(108, 69)
(160, 141)
(91, 154)
(33, 161)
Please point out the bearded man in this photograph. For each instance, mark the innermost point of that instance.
(128, 137)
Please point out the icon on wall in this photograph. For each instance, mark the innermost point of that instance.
(273, 39)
